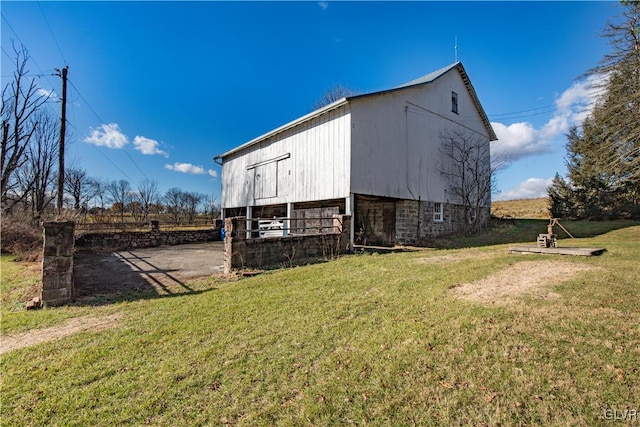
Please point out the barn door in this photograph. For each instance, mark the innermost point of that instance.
(265, 181)
(389, 222)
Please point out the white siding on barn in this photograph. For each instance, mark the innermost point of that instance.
(308, 162)
(396, 138)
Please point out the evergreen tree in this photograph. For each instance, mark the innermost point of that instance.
(618, 112)
(603, 159)
(562, 200)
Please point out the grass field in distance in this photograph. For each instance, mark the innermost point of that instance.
(522, 208)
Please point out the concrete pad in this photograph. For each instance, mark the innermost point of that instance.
(164, 269)
(557, 251)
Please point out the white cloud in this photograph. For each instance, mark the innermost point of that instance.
(108, 136)
(532, 188)
(324, 5)
(517, 140)
(522, 139)
(51, 94)
(191, 169)
(148, 146)
(186, 168)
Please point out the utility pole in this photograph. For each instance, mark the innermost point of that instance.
(63, 126)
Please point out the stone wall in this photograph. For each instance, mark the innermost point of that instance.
(57, 262)
(415, 224)
(138, 239)
(241, 252)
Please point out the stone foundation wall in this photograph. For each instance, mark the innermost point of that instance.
(149, 239)
(241, 252)
(415, 224)
(57, 262)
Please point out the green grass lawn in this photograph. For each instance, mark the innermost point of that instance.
(366, 339)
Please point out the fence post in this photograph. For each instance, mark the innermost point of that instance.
(57, 262)
(344, 240)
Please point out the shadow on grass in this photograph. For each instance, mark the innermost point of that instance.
(507, 231)
(108, 278)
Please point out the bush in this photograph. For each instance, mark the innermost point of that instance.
(22, 238)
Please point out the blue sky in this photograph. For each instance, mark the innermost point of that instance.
(157, 89)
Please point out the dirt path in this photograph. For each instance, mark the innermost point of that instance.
(525, 277)
(78, 324)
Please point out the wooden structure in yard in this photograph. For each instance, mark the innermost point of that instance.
(547, 243)
(550, 239)
(374, 157)
(530, 249)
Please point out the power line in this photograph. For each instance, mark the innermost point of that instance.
(106, 157)
(13, 62)
(10, 58)
(51, 32)
(42, 73)
(126, 152)
(546, 109)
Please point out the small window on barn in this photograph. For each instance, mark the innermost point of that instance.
(438, 212)
(473, 215)
(454, 102)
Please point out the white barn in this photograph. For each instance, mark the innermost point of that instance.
(376, 157)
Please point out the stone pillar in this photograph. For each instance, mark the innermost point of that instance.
(57, 262)
(234, 243)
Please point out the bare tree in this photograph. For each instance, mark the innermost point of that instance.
(173, 200)
(119, 193)
(99, 191)
(332, 94)
(80, 186)
(148, 194)
(209, 205)
(192, 201)
(466, 163)
(36, 177)
(20, 101)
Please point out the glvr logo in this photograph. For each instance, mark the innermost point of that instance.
(621, 414)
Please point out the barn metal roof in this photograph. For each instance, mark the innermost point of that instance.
(429, 77)
(426, 79)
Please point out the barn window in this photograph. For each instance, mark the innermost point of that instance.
(438, 212)
(473, 215)
(454, 102)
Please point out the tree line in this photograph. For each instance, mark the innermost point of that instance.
(29, 153)
(119, 199)
(603, 154)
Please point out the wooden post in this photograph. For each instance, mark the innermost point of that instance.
(63, 127)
